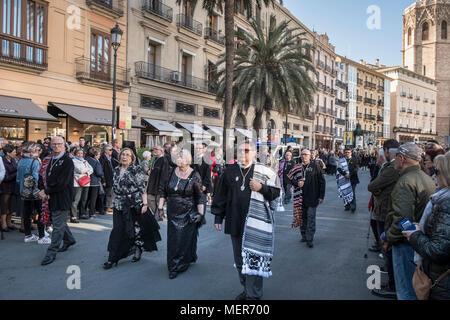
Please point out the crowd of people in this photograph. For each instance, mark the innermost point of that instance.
(56, 182)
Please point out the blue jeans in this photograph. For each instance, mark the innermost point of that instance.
(404, 267)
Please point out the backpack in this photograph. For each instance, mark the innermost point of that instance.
(30, 190)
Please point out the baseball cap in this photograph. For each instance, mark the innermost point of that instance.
(410, 150)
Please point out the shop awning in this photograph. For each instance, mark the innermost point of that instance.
(86, 115)
(245, 132)
(218, 131)
(195, 130)
(13, 107)
(164, 127)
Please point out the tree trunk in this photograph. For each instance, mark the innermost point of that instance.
(257, 125)
(229, 65)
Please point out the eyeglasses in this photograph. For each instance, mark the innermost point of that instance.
(244, 150)
(126, 155)
(306, 154)
(57, 144)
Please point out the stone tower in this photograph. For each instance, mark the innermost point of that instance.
(426, 50)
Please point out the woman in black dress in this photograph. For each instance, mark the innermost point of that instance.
(134, 227)
(185, 204)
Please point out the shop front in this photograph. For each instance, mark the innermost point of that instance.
(93, 124)
(158, 132)
(323, 141)
(22, 120)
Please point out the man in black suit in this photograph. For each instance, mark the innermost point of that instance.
(353, 167)
(202, 167)
(109, 163)
(115, 149)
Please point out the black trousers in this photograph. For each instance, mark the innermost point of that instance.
(253, 285)
(30, 209)
(93, 194)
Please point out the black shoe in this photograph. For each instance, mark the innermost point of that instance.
(84, 217)
(12, 228)
(47, 260)
(375, 249)
(73, 220)
(108, 265)
(241, 296)
(309, 244)
(6, 229)
(173, 275)
(384, 293)
(102, 213)
(347, 209)
(66, 246)
(137, 256)
(353, 210)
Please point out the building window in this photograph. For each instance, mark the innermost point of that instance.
(100, 53)
(185, 108)
(409, 36)
(27, 22)
(296, 127)
(152, 103)
(424, 70)
(211, 113)
(425, 31)
(305, 128)
(444, 30)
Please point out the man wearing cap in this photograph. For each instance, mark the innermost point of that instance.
(409, 198)
(381, 188)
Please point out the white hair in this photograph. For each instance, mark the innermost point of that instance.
(186, 156)
(146, 154)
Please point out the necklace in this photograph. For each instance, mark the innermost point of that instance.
(179, 179)
(243, 178)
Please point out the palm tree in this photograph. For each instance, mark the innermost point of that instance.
(271, 72)
(230, 8)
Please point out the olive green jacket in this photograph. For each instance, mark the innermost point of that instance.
(409, 198)
(381, 188)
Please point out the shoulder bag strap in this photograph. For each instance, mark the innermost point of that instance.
(441, 278)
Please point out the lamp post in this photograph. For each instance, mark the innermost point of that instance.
(116, 37)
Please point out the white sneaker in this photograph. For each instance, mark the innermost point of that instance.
(47, 235)
(50, 230)
(32, 238)
(44, 240)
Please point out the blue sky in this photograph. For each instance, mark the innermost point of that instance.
(345, 22)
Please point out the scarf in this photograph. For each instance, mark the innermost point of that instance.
(45, 216)
(297, 173)
(345, 190)
(258, 237)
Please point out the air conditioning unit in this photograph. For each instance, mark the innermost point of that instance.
(175, 76)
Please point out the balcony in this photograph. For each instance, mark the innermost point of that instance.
(215, 36)
(327, 130)
(320, 64)
(425, 114)
(432, 115)
(321, 109)
(403, 110)
(23, 53)
(319, 128)
(186, 22)
(100, 73)
(340, 122)
(360, 82)
(359, 115)
(407, 130)
(433, 101)
(112, 8)
(370, 85)
(402, 94)
(379, 134)
(425, 100)
(370, 101)
(359, 98)
(410, 111)
(380, 103)
(341, 84)
(380, 88)
(369, 117)
(309, 115)
(410, 96)
(417, 98)
(380, 118)
(417, 113)
(153, 72)
(340, 102)
(158, 8)
(330, 111)
(320, 85)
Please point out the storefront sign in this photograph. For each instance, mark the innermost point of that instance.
(125, 117)
(7, 110)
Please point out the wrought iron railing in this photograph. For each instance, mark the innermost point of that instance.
(113, 6)
(100, 71)
(23, 52)
(187, 22)
(215, 36)
(158, 8)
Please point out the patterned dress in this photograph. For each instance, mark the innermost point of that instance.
(131, 228)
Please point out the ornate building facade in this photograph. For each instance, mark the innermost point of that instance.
(426, 50)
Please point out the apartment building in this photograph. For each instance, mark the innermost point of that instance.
(56, 68)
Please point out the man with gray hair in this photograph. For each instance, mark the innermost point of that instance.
(409, 198)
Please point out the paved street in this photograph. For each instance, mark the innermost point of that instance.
(334, 269)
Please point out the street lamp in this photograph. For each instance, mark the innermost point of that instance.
(116, 37)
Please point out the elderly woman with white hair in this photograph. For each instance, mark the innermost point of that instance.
(185, 204)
